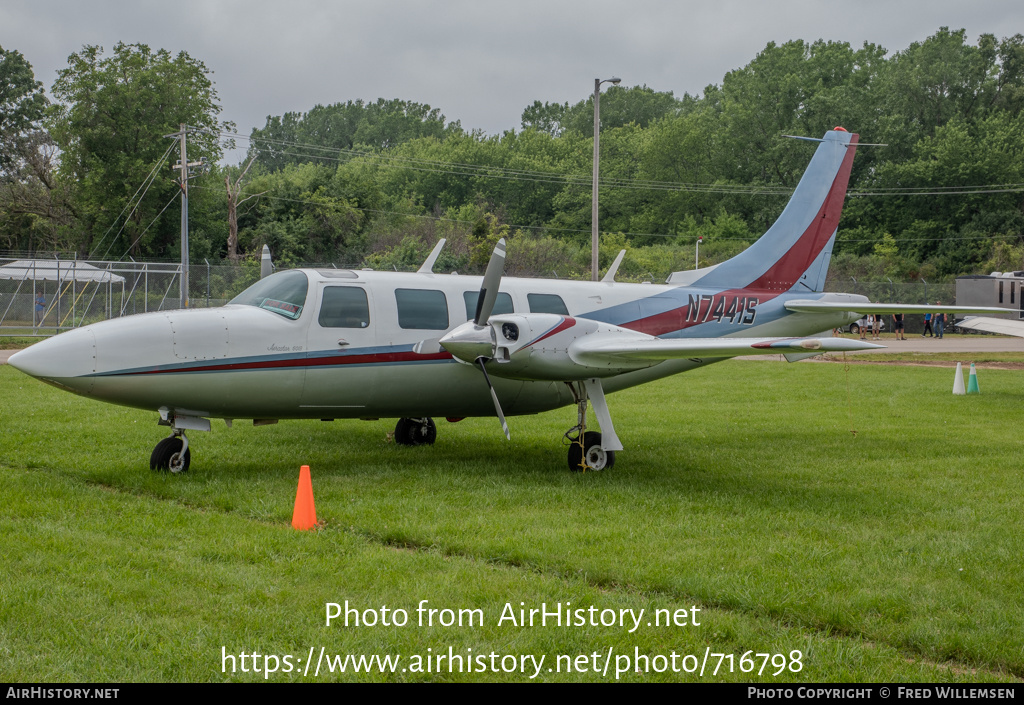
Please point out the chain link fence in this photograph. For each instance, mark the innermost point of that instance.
(43, 297)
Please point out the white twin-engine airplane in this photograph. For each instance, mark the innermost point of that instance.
(334, 344)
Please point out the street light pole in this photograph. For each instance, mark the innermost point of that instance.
(597, 147)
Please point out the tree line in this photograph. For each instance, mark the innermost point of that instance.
(376, 183)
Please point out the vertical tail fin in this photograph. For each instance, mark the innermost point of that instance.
(795, 251)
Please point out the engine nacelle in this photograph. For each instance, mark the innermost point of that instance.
(537, 346)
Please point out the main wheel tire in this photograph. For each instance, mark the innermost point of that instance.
(415, 432)
(597, 458)
(167, 456)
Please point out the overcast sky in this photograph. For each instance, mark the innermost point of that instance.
(481, 61)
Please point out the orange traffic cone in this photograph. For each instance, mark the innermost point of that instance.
(304, 516)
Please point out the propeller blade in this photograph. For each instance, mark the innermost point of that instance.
(489, 288)
(497, 406)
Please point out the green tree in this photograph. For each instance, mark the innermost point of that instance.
(621, 106)
(544, 117)
(320, 134)
(34, 209)
(111, 120)
(21, 106)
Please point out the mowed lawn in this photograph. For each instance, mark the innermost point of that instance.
(863, 517)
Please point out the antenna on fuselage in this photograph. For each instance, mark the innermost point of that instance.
(428, 264)
(609, 276)
(266, 264)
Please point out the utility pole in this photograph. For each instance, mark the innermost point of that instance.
(597, 156)
(184, 165)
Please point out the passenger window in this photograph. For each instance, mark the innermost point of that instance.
(547, 303)
(344, 307)
(422, 309)
(502, 304)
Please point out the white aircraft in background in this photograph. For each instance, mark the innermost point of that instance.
(999, 326)
(334, 344)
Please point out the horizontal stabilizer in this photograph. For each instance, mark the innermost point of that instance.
(598, 350)
(1002, 326)
(866, 308)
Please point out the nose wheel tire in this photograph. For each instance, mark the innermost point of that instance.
(415, 432)
(167, 456)
(596, 457)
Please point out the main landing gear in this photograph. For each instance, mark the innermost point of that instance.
(587, 449)
(415, 432)
(587, 453)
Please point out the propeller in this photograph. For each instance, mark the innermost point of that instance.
(475, 341)
(497, 406)
(489, 288)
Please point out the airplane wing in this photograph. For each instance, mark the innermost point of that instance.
(1002, 326)
(866, 308)
(598, 350)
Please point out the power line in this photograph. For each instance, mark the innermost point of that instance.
(497, 172)
(146, 183)
(545, 228)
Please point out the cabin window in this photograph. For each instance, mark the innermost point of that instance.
(344, 307)
(547, 303)
(422, 309)
(283, 293)
(502, 304)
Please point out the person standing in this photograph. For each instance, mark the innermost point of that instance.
(928, 326)
(876, 323)
(40, 310)
(940, 322)
(897, 325)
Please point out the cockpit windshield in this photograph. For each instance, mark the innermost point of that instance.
(283, 293)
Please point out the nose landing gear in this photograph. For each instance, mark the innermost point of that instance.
(171, 454)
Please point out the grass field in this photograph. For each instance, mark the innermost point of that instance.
(888, 554)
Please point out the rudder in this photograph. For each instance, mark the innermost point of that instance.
(795, 251)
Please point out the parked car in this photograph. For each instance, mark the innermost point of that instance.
(863, 323)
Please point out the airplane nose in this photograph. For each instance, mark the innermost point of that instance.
(70, 354)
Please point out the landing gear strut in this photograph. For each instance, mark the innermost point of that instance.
(171, 454)
(415, 432)
(587, 449)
